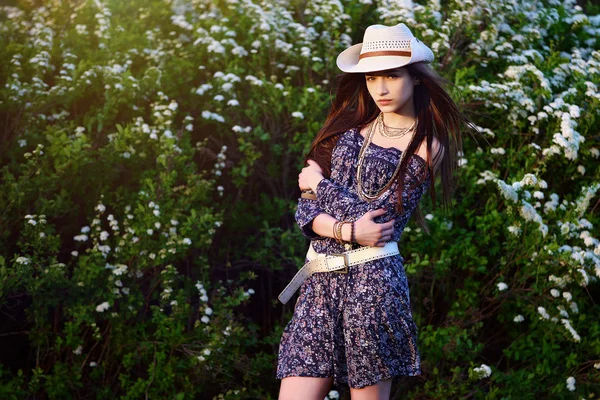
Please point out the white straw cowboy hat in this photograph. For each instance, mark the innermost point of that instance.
(384, 47)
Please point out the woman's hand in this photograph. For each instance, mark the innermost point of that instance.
(310, 176)
(369, 233)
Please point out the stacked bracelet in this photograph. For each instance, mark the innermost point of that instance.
(340, 226)
(337, 231)
(308, 194)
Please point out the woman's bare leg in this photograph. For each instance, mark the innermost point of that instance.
(379, 391)
(304, 388)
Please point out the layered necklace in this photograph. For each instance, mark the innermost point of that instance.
(394, 133)
(362, 193)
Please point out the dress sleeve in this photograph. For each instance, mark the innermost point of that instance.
(338, 197)
(349, 206)
(306, 212)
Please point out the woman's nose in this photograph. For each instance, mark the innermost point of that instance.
(381, 87)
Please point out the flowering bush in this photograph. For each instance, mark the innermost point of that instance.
(108, 219)
(148, 177)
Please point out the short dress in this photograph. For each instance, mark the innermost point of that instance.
(355, 327)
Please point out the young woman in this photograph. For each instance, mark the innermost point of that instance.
(391, 128)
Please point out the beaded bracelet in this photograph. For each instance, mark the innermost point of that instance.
(352, 238)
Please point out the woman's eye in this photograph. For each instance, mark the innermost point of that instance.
(392, 76)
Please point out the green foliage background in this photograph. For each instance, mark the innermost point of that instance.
(148, 183)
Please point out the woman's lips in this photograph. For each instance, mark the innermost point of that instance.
(384, 102)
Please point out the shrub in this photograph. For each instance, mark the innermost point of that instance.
(148, 168)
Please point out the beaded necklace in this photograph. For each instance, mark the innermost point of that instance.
(360, 189)
(394, 133)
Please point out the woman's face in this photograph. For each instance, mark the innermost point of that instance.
(395, 85)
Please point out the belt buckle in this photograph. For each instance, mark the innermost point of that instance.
(345, 269)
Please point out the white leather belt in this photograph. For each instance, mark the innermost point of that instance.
(339, 263)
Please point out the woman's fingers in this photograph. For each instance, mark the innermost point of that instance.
(314, 164)
(386, 234)
(384, 239)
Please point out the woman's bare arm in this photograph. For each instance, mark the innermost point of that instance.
(366, 231)
(322, 225)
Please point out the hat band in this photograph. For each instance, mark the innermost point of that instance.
(385, 53)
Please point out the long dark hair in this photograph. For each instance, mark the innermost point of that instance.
(437, 114)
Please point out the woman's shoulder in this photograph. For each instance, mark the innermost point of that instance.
(437, 152)
(349, 135)
(347, 141)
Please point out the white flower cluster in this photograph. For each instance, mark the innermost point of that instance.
(31, 219)
(160, 128)
(163, 112)
(211, 115)
(462, 160)
(203, 297)
(327, 12)
(119, 270)
(481, 372)
(519, 318)
(390, 10)
(23, 261)
(567, 296)
(205, 352)
(333, 394)
(571, 384)
(583, 201)
(37, 152)
(179, 20)
(487, 175)
(202, 291)
(102, 306)
(568, 139)
(567, 323)
(239, 129)
(98, 235)
(514, 229)
(216, 46)
(42, 37)
(220, 164)
(527, 211)
(103, 20)
(170, 273)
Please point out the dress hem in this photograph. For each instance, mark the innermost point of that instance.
(345, 381)
(384, 378)
(302, 375)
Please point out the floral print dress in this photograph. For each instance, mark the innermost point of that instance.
(355, 327)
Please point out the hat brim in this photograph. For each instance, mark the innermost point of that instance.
(348, 61)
